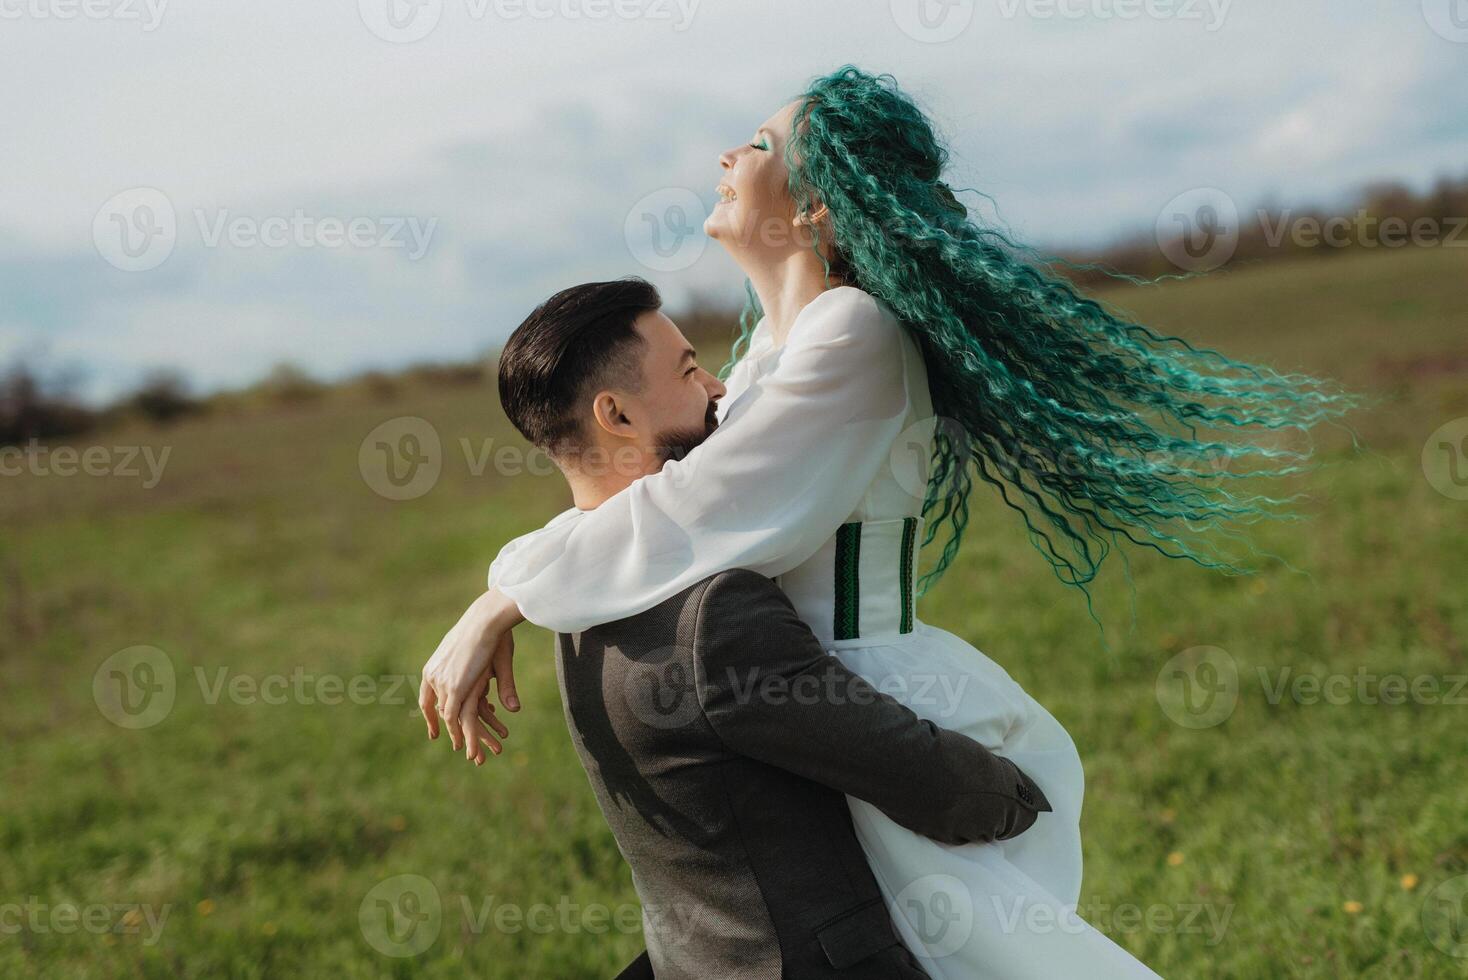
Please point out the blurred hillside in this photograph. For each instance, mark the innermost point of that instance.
(35, 405)
(1384, 216)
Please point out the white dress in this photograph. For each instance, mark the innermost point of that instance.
(816, 477)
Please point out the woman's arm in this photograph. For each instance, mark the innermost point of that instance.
(793, 458)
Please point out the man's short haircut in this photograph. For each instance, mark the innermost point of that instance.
(580, 341)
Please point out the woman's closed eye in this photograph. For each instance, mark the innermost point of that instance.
(760, 144)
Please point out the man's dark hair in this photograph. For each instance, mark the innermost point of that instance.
(577, 342)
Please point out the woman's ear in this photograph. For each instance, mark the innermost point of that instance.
(812, 218)
(814, 226)
(610, 411)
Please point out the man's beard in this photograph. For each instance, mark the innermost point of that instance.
(677, 443)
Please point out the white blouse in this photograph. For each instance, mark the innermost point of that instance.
(835, 428)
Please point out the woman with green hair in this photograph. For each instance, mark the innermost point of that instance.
(894, 351)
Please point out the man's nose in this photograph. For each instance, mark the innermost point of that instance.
(715, 387)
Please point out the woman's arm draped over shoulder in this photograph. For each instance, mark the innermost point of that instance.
(789, 464)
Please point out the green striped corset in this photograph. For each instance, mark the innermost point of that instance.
(859, 585)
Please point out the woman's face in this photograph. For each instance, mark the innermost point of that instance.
(755, 210)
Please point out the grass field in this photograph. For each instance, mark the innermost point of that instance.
(257, 825)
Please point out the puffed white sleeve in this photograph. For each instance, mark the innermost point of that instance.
(793, 458)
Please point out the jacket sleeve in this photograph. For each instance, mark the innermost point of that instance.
(772, 693)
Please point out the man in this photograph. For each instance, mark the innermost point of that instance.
(718, 735)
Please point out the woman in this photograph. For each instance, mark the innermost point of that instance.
(885, 309)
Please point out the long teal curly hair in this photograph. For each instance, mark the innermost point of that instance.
(1087, 424)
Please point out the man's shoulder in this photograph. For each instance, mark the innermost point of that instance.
(721, 589)
(724, 600)
(725, 590)
(736, 609)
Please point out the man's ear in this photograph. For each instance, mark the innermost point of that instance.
(610, 410)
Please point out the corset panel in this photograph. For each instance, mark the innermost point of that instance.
(860, 584)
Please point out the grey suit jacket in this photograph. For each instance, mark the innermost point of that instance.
(719, 738)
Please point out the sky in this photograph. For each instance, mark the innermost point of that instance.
(217, 187)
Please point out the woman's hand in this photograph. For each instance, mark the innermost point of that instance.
(479, 648)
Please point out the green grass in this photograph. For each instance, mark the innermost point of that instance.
(260, 828)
